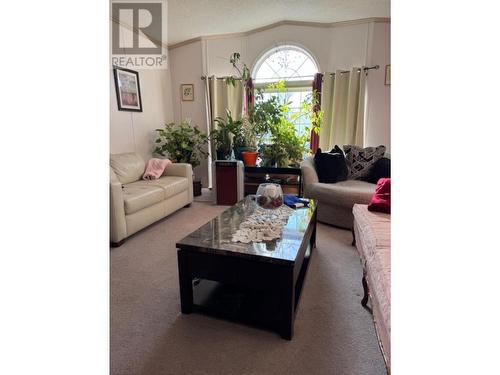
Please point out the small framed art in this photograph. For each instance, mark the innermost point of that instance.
(387, 75)
(187, 92)
(128, 90)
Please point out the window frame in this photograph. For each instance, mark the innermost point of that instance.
(288, 82)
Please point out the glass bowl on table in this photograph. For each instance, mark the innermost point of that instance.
(269, 196)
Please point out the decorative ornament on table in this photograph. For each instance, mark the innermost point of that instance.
(266, 222)
(269, 196)
(260, 227)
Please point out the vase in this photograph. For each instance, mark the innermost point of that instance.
(269, 196)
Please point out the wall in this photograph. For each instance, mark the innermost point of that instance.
(337, 47)
(186, 64)
(378, 113)
(333, 48)
(134, 131)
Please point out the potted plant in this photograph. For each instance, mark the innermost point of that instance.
(182, 143)
(223, 135)
(245, 140)
(284, 146)
(272, 123)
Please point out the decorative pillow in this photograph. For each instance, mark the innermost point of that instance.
(359, 160)
(331, 166)
(381, 169)
(381, 199)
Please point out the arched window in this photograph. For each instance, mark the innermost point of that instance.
(293, 65)
(288, 63)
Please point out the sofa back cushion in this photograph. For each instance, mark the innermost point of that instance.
(331, 166)
(380, 169)
(128, 167)
(360, 160)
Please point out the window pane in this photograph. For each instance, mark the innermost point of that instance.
(287, 63)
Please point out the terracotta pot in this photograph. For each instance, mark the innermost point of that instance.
(249, 158)
(239, 150)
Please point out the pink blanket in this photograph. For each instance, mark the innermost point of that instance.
(155, 168)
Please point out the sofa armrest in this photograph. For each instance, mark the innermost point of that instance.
(181, 170)
(309, 175)
(118, 225)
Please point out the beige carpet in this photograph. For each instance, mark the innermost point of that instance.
(149, 335)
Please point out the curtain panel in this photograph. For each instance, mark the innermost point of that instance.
(221, 96)
(342, 101)
(316, 87)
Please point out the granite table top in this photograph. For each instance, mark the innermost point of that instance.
(215, 236)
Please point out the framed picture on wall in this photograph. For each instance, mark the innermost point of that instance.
(187, 92)
(387, 75)
(128, 90)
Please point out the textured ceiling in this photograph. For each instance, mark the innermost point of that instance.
(193, 18)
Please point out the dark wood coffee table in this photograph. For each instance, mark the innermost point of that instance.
(257, 283)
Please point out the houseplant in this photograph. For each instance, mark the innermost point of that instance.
(273, 124)
(283, 145)
(223, 134)
(245, 139)
(182, 143)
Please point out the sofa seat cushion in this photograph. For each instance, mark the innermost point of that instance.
(141, 194)
(342, 193)
(172, 185)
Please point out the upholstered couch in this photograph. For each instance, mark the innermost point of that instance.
(136, 203)
(335, 201)
(372, 237)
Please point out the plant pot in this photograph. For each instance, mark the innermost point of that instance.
(197, 188)
(222, 154)
(239, 150)
(250, 158)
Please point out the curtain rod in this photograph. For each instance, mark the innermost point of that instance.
(343, 71)
(359, 70)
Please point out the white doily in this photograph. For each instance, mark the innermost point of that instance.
(259, 227)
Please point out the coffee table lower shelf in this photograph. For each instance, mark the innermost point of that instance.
(259, 294)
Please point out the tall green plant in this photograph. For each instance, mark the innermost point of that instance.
(246, 135)
(272, 123)
(225, 131)
(285, 146)
(240, 67)
(182, 143)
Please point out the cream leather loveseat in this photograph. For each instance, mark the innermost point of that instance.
(136, 203)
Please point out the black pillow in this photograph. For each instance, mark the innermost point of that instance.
(380, 169)
(331, 166)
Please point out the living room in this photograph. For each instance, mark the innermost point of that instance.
(224, 201)
(230, 83)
